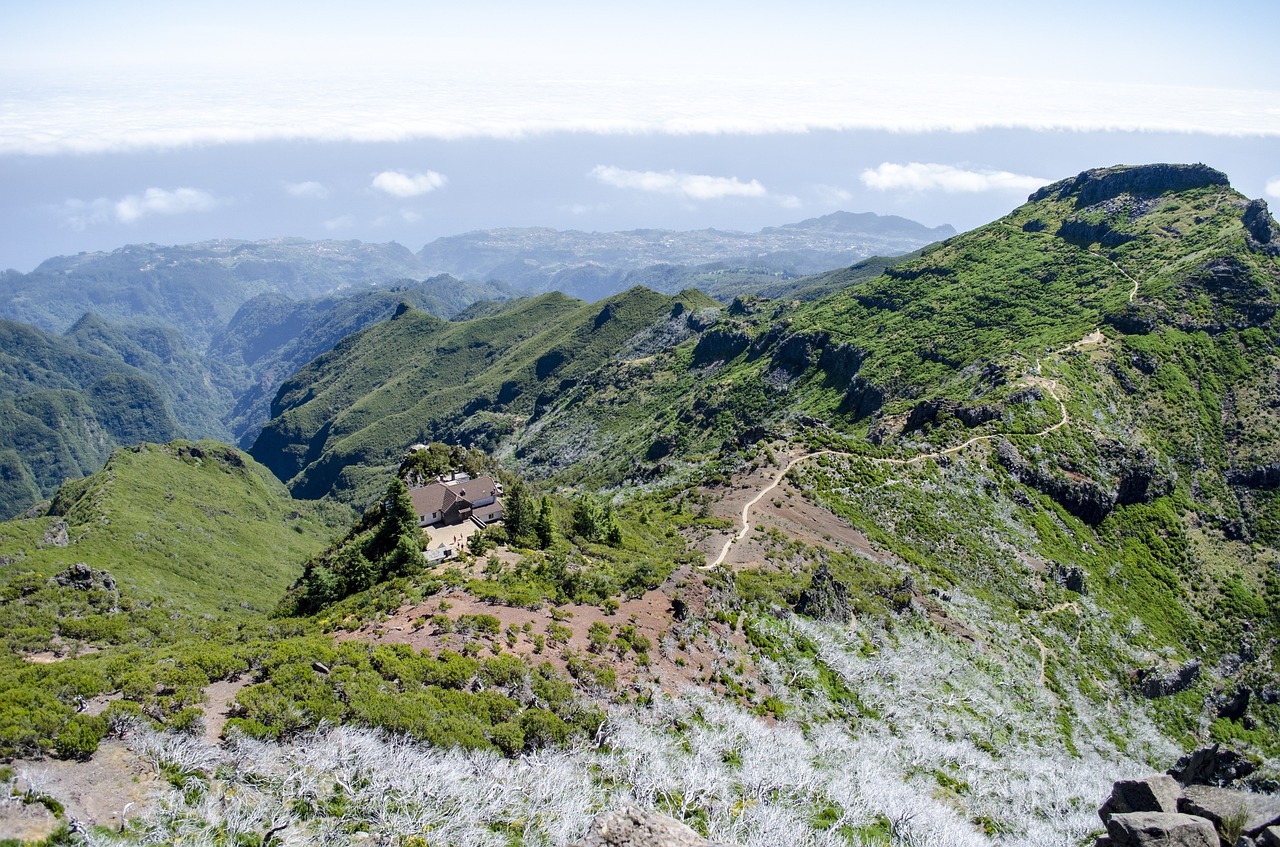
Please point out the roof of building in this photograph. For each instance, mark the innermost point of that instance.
(445, 497)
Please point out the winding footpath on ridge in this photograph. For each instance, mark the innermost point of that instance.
(1049, 385)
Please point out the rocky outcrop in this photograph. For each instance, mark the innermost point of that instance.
(930, 411)
(1072, 578)
(1136, 479)
(841, 362)
(1156, 793)
(826, 598)
(56, 535)
(1133, 319)
(1219, 805)
(1083, 232)
(1261, 227)
(1211, 766)
(84, 578)
(81, 577)
(720, 344)
(1159, 829)
(630, 827)
(1153, 683)
(1161, 811)
(1264, 477)
(798, 352)
(1101, 184)
(1084, 498)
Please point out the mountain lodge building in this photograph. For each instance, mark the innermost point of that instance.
(456, 500)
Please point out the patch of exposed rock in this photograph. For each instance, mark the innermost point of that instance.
(1263, 233)
(826, 598)
(1153, 682)
(1101, 184)
(1135, 479)
(1212, 766)
(928, 412)
(56, 535)
(630, 827)
(84, 578)
(1163, 811)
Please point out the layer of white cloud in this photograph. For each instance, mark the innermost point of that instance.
(159, 201)
(340, 222)
(45, 114)
(399, 184)
(81, 214)
(310, 190)
(689, 186)
(931, 176)
(1273, 189)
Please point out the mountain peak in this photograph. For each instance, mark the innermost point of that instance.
(1100, 184)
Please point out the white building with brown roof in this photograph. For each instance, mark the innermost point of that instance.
(456, 501)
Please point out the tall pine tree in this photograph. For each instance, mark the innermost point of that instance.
(545, 525)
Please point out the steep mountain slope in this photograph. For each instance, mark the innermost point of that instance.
(1072, 395)
(271, 336)
(341, 421)
(63, 408)
(198, 524)
(70, 399)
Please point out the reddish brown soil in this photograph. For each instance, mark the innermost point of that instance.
(671, 665)
(96, 791)
(218, 699)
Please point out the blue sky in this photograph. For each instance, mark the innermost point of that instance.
(182, 121)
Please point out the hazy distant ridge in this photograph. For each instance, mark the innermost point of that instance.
(540, 258)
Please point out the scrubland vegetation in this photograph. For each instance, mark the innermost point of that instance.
(1037, 553)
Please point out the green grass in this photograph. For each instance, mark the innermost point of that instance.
(198, 524)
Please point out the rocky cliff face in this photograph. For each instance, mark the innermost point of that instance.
(1101, 184)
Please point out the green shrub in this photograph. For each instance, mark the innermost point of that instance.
(78, 739)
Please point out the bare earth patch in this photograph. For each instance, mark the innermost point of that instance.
(218, 700)
(25, 821)
(675, 659)
(783, 509)
(96, 791)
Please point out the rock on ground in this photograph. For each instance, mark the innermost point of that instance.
(1155, 793)
(1219, 804)
(1160, 829)
(630, 827)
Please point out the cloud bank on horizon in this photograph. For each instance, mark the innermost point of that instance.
(144, 76)
(106, 113)
(408, 121)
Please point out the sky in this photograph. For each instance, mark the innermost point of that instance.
(173, 122)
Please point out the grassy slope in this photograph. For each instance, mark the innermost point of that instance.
(213, 532)
(65, 404)
(351, 413)
(1180, 563)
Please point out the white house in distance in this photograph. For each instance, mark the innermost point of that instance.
(456, 500)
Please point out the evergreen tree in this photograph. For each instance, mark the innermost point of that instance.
(588, 519)
(612, 529)
(544, 526)
(401, 517)
(518, 514)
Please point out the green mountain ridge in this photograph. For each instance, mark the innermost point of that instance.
(930, 558)
(1095, 363)
(198, 524)
(477, 376)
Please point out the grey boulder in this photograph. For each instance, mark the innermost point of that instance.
(1160, 829)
